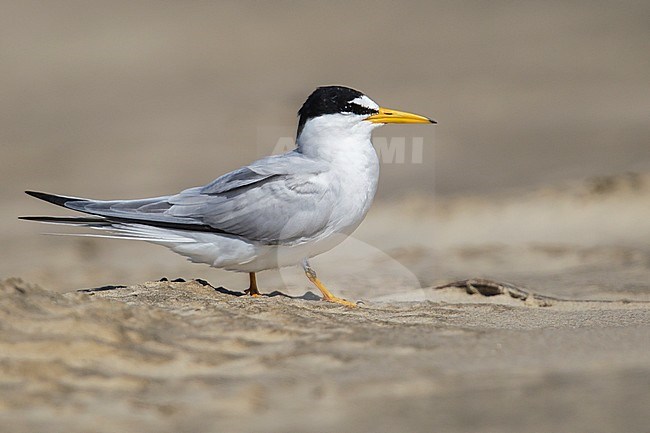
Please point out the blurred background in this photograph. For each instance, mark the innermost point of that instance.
(537, 171)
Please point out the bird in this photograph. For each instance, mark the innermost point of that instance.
(278, 211)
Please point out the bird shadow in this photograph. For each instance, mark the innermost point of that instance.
(308, 296)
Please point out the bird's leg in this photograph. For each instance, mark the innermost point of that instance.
(252, 288)
(327, 295)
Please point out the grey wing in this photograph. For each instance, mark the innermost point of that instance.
(271, 201)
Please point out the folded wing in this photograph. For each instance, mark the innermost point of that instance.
(270, 201)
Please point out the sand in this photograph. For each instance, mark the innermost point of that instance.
(186, 356)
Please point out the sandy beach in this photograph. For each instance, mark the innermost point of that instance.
(534, 185)
(183, 356)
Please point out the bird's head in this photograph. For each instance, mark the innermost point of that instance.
(341, 111)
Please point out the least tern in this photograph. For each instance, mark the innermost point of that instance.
(278, 211)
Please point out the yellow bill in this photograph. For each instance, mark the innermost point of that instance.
(388, 115)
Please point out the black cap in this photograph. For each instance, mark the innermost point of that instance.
(331, 100)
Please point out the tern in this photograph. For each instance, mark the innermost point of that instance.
(278, 211)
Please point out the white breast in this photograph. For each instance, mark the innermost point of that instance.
(344, 142)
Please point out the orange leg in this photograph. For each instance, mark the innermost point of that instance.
(252, 288)
(327, 295)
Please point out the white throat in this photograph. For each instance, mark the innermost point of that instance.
(336, 136)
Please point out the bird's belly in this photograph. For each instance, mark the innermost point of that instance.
(276, 256)
(236, 254)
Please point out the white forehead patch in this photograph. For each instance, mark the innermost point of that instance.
(364, 101)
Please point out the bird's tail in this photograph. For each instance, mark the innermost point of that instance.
(120, 228)
(116, 229)
(145, 215)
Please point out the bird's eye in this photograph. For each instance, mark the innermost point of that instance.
(358, 109)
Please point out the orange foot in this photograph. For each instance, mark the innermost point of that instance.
(327, 295)
(341, 301)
